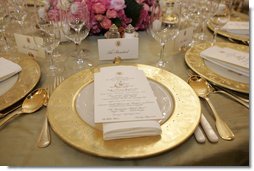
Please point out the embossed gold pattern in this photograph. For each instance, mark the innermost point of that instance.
(65, 121)
(28, 78)
(236, 17)
(196, 63)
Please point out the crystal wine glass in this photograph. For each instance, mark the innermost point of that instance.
(164, 26)
(47, 38)
(221, 17)
(76, 27)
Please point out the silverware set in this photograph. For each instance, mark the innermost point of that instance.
(203, 89)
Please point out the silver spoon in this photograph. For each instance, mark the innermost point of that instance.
(202, 89)
(33, 102)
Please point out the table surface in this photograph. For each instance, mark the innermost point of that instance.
(19, 137)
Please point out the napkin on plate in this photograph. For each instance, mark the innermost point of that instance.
(237, 27)
(131, 129)
(231, 59)
(8, 68)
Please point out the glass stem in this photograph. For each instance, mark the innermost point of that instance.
(162, 52)
(51, 62)
(215, 36)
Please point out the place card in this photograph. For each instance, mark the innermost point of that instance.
(26, 44)
(124, 48)
(184, 37)
(123, 93)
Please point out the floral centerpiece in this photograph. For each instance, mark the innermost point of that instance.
(104, 13)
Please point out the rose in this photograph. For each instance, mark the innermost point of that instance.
(117, 4)
(106, 23)
(99, 8)
(111, 13)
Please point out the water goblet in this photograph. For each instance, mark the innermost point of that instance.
(76, 27)
(164, 26)
(221, 17)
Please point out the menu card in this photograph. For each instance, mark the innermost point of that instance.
(231, 59)
(237, 27)
(124, 103)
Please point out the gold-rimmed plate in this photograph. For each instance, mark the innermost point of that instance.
(67, 123)
(26, 81)
(236, 16)
(216, 76)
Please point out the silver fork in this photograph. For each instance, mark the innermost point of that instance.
(44, 137)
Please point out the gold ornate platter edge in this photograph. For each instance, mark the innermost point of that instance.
(236, 17)
(27, 80)
(196, 63)
(73, 130)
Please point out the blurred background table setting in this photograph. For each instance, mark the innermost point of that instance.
(124, 83)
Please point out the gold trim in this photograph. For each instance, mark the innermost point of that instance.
(236, 17)
(196, 63)
(72, 129)
(28, 78)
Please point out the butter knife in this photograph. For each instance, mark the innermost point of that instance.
(209, 131)
(199, 135)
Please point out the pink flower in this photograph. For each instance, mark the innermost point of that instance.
(99, 17)
(106, 23)
(99, 8)
(53, 15)
(111, 13)
(117, 4)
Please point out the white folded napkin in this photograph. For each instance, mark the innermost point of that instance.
(131, 129)
(237, 27)
(231, 59)
(8, 69)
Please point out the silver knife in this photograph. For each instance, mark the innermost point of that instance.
(199, 135)
(210, 133)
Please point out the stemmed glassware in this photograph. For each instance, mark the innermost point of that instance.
(4, 18)
(19, 11)
(76, 27)
(48, 38)
(164, 26)
(221, 17)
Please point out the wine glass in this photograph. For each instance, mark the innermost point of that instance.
(221, 17)
(47, 37)
(76, 27)
(4, 20)
(164, 26)
(19, 11)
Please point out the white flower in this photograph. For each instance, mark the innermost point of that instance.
(74, 8)
(42, 13)
(63, 4)
(117, 4)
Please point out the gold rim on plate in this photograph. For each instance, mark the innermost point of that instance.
(236, 16)
(27, 80)
(197, 64)
(67, 124)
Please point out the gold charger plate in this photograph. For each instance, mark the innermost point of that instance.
(66, 122)
(197, 64)
(237, 16)
(27, 80)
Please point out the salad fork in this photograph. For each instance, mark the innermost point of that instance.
(44, 137)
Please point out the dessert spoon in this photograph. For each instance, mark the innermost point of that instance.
(33, 102)
(203, 90)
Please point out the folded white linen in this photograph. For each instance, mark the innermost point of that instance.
(131, 129)
(237, 27)
(8, 69)
(228, 58)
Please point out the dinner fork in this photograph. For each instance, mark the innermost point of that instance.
(44, 137)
